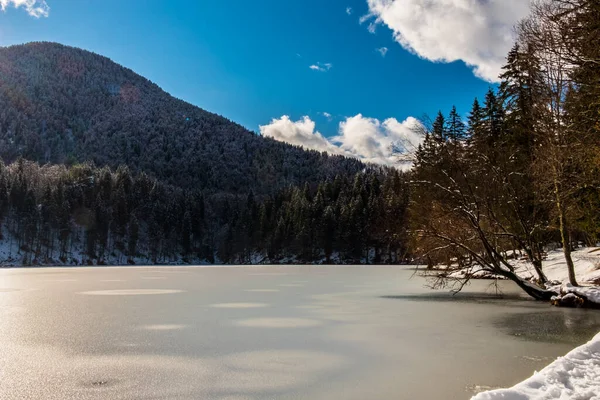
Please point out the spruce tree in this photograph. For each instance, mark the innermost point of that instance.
(455, 127)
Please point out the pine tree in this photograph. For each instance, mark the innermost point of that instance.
(493, 114)
(455, 128)
(186, 233)
(132, 242)
(475, 121)
(328, 232)
(102, 225)
(438, 129)
(4, 199)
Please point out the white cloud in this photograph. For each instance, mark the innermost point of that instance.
(299, 133)
(365, 18)
(478, 32)
(382, 50)
(321, 67)
(35, 8)
(390, 142)
(327, 115)
(349, 10)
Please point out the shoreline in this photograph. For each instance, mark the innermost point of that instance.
(574, 376)
(587, 270)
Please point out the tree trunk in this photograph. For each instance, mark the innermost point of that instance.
(564, 235)
(532, 290)
(536, 260)
(537, 265)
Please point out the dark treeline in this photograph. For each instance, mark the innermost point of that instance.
(53, 214)
(524, 172)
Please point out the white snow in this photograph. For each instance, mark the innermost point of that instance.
(591, 293)
(587, 270)
(586, 261)
(575, 376)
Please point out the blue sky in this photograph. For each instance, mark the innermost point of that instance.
(250, 60)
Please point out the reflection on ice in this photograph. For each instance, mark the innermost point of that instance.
(130, 292)
(239, 305)
(164, 327)
(245, 374)
(553, 326)
(278, 322)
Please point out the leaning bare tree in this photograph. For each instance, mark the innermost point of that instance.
(465, 207)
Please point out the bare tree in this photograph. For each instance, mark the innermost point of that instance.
(558, 163)
(463, 213)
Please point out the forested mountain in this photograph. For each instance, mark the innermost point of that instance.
(64, 105)
(100, 166)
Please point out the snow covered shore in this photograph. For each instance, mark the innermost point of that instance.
(587, 271)
(586, 260)
(575, 376)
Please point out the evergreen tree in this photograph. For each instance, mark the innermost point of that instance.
(438, 129)
(134, 229)
(186, 233)
(455, 128)
(475, 121)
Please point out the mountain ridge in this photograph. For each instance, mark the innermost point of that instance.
(65, 105)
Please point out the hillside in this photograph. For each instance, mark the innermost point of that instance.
(64, 105)
(168, 182)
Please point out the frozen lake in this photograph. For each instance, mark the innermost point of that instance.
(267, 333)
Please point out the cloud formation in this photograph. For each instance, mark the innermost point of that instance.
(382, 50)
(390, 142)
(321, 67)
(480, 33)
(299, 133)
(327, 115)
(35, 8)
(349, 10)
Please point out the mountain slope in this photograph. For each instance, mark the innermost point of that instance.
(60, 104)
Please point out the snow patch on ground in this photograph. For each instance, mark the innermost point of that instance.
(587, 270)
(575, 376)
(586, 261)
(589, 293)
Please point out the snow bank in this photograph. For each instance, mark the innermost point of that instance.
(587, 271)
(589, 293)
(575, 376)
(585, 260)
